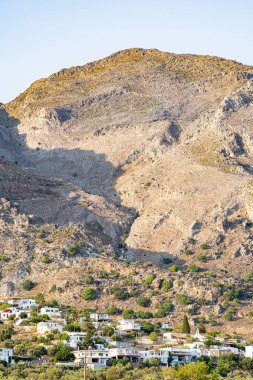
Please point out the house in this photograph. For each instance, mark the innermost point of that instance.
(45, 327)
(6, 355)
(249, 352)
(13, 301)
(94, 359)
(119, 344)
(217, 351)
(176, 355)
(125, 353)
(99, 317)
(126, 325)
(75, 338)
(52, 312)
(6, 313)
(148, 354)
(26, 304)
(165, 326)
(174, 338)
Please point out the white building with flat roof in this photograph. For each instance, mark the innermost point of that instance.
(6, 355)
(94, 359)
(126, 325)
(45, 327)
(52, 312)
(27, 303)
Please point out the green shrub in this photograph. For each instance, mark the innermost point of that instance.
(229, 315)
(147, 327)
(166, 285)
(128, 314)
(183, 299)
(46, 259)
(202, 258)
(167, 305)
(89, 279)
(112, 310)
(149, 279)
(147, 264)
(73, 249)
(143, 301)
(89, 294)
(174, 268)
(144, 314)
(205, 246)
(193, 268)
(120, 294)
(3, 258)
(28, 285)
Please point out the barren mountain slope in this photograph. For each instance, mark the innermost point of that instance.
(160, 143)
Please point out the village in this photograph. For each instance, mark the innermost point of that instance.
(97, 340)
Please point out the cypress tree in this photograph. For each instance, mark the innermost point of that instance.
(185, 325)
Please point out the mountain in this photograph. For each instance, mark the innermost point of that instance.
(123, 165)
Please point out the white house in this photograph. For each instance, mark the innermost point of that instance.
(6, 354)
(99, 317)
(27, 303)
(174, 338)
(6, 313)
(13, 301)
(75, 338)
(126, 325)
(45, 327)
(148, 354)
(175, 355)
(94, 359)
(52, 312)
(249, 352)
(125, 353)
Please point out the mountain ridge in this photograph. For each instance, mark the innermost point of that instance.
(160, 145)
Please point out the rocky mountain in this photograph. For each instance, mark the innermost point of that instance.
(142, 157)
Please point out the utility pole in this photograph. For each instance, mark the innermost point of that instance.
(84, 367)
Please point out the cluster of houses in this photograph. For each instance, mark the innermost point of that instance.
(170, 349)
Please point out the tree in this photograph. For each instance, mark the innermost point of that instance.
(62, 353)
(185, 325)
(108, 331)
(190, 371)
(226, 364)
(28, 285)
(153, 336)
(72, 327)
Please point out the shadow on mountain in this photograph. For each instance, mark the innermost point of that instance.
(62, 186)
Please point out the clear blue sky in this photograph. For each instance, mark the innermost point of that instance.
(39, 37)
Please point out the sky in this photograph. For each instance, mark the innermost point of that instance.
(40, 37)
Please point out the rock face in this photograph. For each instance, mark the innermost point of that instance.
(152, 150)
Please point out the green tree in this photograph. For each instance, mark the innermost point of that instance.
(185, 325)
(28, 285)
(62, 353)
(226, 364)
